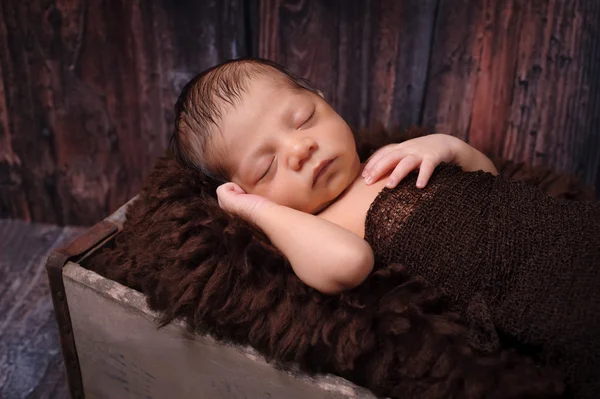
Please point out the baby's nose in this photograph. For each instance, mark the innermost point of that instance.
(300, 152)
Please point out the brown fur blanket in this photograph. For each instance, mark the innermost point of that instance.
(393, 334)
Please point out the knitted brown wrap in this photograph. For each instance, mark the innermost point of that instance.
(506, 255)
(393, 334)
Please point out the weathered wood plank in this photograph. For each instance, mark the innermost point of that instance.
(369, 58)
(30, 358)
(303, 36)
(401, 40)
(87, 94)
(519, 79)
(122, 354)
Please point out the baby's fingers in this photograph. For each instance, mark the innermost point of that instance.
(230, 187)
(226, 193)
(380, 166)
(408, 164)
(425, 171)
(376, 157)
(237, 189)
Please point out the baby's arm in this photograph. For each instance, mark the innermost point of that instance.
(471, 160)
(323, 255)
(423, 153)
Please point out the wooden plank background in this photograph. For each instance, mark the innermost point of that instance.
(87, 94)
(31, 363)
(87, 86)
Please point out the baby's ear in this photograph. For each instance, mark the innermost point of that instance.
(320, 93)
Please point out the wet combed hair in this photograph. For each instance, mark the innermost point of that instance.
(203, 102)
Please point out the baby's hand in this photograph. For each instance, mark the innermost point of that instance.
(233, 199)
(424, 153)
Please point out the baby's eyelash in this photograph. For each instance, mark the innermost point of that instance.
(268, 169)
(309, 118)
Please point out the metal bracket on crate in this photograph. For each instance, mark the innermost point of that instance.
(76, 250)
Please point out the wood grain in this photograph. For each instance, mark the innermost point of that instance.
(369, 58)
(31, 363)
(519, 79)
(87, 94)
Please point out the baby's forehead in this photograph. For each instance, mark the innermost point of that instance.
(274, 80)
(265, 96)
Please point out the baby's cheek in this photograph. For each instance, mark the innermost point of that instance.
(266, 193)
(293, 199)
(290, 198)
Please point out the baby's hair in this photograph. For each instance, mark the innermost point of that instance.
(202, 103)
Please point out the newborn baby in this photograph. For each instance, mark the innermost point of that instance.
(289, 165)
(518, 265)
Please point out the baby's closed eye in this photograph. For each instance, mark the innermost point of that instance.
(307, 118)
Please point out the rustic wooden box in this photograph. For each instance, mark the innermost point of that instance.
(112, 347)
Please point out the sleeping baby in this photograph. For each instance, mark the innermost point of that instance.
(288, 164)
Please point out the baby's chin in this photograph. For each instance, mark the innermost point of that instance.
(335, 195)
(333, 192)
(321, 207)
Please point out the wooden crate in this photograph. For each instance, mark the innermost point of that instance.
(113, 348)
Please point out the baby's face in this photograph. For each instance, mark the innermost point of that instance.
(288, 145)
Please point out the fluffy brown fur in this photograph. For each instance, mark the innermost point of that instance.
(392, 334)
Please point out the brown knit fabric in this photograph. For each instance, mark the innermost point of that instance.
(506, 255)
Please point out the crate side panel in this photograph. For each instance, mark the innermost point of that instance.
(123, 354)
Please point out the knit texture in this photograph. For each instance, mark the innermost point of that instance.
(522, 267)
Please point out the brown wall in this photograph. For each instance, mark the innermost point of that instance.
(87, 86)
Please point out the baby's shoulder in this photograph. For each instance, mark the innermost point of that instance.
(350, 209)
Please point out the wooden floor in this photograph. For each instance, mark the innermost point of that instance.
(30, 359)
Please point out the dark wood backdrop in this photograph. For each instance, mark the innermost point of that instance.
(87, 86)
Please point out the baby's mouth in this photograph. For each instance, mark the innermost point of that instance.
(321, 169)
